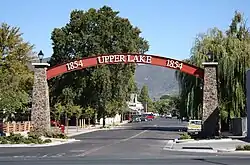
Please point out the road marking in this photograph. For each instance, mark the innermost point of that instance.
(99, 148)
(123, 140)
(44, 156)
(58, 155)
(76, 150)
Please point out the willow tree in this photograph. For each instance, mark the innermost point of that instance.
(231, 48)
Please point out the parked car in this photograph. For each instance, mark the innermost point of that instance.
(1, 129)
(194, 126)
(135, 118)
(144, 117)
(149, 117)
(58, 124)
(169, 116)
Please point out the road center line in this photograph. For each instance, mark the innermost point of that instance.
(123, 140)
(120, 141)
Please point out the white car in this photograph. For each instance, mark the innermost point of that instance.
(169, 116)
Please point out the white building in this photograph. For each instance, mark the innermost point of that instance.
(134, 105)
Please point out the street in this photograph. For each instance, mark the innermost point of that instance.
(133, 143)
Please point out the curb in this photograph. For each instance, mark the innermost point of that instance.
(239, 152)
(97, 129)
(191, 150)
(169, 145)
(37, 145)
(204, 141)
(87, 131)
(184, 141)
(197, 148)
(226, 150)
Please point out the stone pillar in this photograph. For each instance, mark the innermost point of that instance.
(40, 113)
(210, 115)
(248, 102)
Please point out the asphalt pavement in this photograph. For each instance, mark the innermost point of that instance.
(133, 143)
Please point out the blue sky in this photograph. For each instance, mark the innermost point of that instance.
(170, 26)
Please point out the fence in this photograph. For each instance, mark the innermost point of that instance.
(11, 127)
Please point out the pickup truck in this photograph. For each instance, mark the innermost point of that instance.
(194, 126)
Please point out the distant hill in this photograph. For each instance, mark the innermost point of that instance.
(159, 80)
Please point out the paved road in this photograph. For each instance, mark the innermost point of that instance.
(137, 143)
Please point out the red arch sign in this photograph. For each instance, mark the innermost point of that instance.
(124, 58)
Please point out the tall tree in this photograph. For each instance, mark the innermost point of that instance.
(231, 49)
(93, 32)
(16, 79)
(144, 96)
(145, 99)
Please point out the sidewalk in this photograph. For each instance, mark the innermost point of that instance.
(72, 131)
(220, 145)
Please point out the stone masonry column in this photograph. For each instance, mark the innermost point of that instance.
(40, 113)
(210, 115)
(248, 102)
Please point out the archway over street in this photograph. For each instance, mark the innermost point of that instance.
(40, 100)
(125, 59)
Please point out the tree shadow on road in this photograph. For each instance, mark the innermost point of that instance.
(170, 129)
(212, 162)
(110, 138)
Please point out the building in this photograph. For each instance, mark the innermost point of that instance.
(135, 107)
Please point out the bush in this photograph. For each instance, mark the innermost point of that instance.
(47, 141)
(19, 139)
(52, 133)
(3, 140)
(185, 136)
(55, 133)
(243, 148)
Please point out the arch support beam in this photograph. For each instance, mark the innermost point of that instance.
(40, 113)
(210, 115)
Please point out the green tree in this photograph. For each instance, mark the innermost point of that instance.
(16, 79)
(144, 96)
(167, 104)
(145, 99)
(89, 113)
(231, 49)
(165, 97)
(93, 32)
(77, 111)
(59, 110)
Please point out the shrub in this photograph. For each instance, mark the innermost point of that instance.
(47, 141)
(185, 136)
(32, 138)
(55, 133)
(3, 140)
(247, 147)
(243, 148)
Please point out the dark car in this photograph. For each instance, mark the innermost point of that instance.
(144, 117)
(135, 118)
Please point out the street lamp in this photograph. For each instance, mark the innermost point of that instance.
(201, 85)
(210, 56)
(40, 56)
